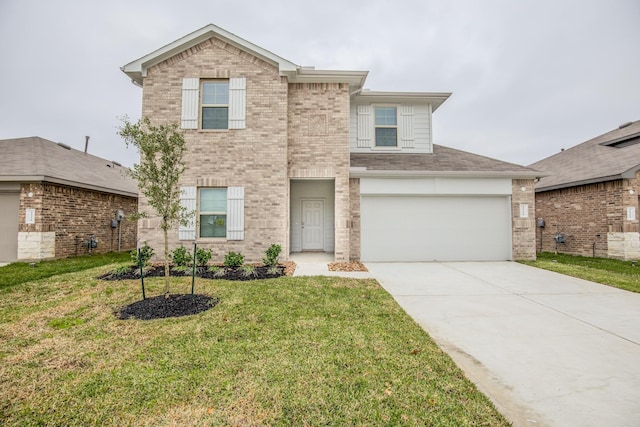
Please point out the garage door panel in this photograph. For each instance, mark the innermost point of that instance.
(428, 228)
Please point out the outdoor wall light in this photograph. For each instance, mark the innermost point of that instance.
(630, 191)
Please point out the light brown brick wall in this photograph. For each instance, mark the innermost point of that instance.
(75, 213)
(523, 229)
(354, 203)
(585, 214)
(254, 158)
(318, 146)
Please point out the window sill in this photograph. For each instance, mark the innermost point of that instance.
(211, 239)
(213, 130)
(390, 149)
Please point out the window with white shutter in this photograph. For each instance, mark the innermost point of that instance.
(213, 104)
(221, 212)
(365, 125)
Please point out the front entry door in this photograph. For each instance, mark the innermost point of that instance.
(312, 225)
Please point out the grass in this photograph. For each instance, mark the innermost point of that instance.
(288, 351)
(22, 272)
(616, 273)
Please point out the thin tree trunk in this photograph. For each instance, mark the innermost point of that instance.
(166, 262)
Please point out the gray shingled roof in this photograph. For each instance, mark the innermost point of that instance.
(443, 160)
(37, 159)
(596, 160)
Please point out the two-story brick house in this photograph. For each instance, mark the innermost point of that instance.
(309, 159)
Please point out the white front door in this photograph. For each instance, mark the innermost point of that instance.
(312, 225)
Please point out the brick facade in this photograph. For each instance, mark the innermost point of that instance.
(592, 218)
(254, 158)
(318, 145)
(72, 214)
(523, 229)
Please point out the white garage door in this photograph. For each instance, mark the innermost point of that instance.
(435, 228)
(9, 208)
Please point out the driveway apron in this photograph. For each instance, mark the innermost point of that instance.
(548, 349)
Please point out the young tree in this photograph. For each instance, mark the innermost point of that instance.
(161, 150)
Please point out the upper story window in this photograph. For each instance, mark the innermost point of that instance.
(386, 126)
(215, 104)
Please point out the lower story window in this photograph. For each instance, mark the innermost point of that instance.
(212, 212)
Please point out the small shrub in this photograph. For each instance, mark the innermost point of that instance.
(120, 271)
(274, 269)
(202, 257)
(181, 257)
(233, 259)
(146, 252)
(248, 271)
(271, 255)
(217, 271)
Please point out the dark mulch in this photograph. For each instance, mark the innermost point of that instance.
(261, 272)
(160, 307)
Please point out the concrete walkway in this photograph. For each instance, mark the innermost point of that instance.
(317, 264)
(548, 349)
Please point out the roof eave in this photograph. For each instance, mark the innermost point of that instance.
(579, 183)
(354, 78)
(434, 98)
(69, 183)
(358, 172)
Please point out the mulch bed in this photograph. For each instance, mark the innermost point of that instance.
(347, 266)
(173, 305)
(260, 272)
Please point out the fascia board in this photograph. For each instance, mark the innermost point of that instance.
(360, 173)
(434, 98)
(137, 69)
(578, 183)
(355, 79)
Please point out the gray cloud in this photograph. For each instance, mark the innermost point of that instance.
(528, 78)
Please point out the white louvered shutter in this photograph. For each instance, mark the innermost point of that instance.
(407, 137)
(237, 103)
(235, 213)
(190, 103)
(188, 201)
(365, 126)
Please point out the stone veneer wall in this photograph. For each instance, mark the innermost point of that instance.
(318, 146)
(65, 216)
(523, 229)
(254, 158)
(593, 218)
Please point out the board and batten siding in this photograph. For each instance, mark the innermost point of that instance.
(421, 127)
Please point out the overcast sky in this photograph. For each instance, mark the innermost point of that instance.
(528, 77)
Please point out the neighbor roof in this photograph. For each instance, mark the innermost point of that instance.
(611, 156)
(35, 159)
(444, 161)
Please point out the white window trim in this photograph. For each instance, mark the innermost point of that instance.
(202, 106)
(396, 127)
(199, 213)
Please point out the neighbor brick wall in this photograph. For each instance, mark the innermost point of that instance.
(523, 229)
(318, 146)
(254, 158)
(586, 214)
(75, 213)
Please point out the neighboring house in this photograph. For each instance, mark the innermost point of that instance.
(309, 159)
(53, 198)
(589, 202)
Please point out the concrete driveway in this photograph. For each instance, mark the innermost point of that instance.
(548, 349)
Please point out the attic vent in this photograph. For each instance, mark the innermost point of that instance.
(65, 146)
(625, 141)
(624, 125)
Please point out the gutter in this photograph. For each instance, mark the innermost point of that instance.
(68, 183)
(357, 172)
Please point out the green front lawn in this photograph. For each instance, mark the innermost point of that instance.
(23, 272)
(287, 351)
(612, 272)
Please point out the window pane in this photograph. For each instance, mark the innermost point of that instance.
(386, 137)
(386, 116)
(213, 200)
(215, 93)
(215, 118)
(213, 225)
